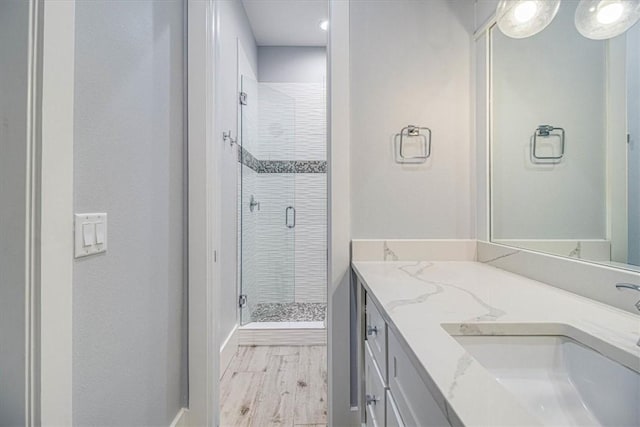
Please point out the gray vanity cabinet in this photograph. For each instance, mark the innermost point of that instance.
(375, 392)
(376, 336)
(414, 399)
(395, 394)
(393, 415)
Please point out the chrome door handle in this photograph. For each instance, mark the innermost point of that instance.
(253, 203)
(286, 217)
(372, 330)
(372, 399)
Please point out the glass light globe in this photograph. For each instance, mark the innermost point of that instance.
(603, 19)
(524, 18)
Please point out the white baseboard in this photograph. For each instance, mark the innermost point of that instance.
(181, 418)
(228, 350)
(272, 336)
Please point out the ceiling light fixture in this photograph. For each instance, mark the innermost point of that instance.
(524, 18)
(604, 19)
(324, 25)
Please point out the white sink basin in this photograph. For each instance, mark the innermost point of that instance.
(560, 380)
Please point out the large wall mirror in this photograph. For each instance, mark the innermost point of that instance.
(565, 140)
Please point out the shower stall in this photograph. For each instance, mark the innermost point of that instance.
(282, 212)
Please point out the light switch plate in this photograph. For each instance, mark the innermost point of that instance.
(90, 234)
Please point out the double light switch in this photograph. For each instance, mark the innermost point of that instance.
(90, 234)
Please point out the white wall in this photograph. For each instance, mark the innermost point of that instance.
(14, 31)
(128, 361)
(234, 27)
(556, 77)
(411, 64)
(292, 64)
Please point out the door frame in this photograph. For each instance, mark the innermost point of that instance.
(342, 363)
(203, 216)
(50, 268)
(204, 208)
(51, 276)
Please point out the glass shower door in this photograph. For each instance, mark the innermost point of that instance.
(267, 194)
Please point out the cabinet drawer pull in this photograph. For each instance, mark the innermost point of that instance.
(372, 399)
(372, 330)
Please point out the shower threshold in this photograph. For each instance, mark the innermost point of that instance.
(284, 325)
(282, 333)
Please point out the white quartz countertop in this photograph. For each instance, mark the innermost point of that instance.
(472, 298)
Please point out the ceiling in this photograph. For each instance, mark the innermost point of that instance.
(287, 22)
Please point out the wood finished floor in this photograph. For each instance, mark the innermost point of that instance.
(275, 386)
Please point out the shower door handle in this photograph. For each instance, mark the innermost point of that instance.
(287, 216)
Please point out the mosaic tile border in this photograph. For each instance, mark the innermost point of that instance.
(247, 159)
(289, 312)
(281, 166)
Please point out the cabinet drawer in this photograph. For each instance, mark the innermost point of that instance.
(374, 391)
(412, 397)
(376, 336)
(393, 415)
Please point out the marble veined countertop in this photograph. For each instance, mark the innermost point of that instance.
(471, 298)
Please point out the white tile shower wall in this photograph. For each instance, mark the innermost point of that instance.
(311, 237)
(274, 257)
(276, 129)
(301, 105)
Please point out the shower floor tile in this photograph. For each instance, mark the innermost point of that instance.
(289, 312)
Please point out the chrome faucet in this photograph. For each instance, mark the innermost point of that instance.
(621, 286)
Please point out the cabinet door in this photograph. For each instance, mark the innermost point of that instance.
(374, 391)
(393, 415)
(376, 336)
(413, 399)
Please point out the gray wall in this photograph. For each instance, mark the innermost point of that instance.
(633, 120)
(14, 31)
(418, 75)
(127, 303)
(234, 26)
(292, 64)
(484, 9)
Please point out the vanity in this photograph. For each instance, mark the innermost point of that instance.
(537, 322)
(463, 343)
